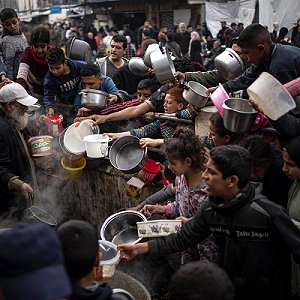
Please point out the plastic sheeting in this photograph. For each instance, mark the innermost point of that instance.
(232, 11)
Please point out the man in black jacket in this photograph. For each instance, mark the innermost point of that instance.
(16, 166)
(255, 235)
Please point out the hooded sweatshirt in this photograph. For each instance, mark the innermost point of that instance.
(94, 292)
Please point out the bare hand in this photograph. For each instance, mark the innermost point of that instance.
(25, 190)
(211, 90)
(50, 112)
(180, 76)
(83, 112)
(149, 116)
(255, 106)
(130, 251)
(147, 142)
(149, 209)
(193, 110)
(115, 136)
(183, 219)
(135, 208)
(98, 119)
(112, 99)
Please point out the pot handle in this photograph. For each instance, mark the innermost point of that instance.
(185, 85)
(82, 93)
(161, 48)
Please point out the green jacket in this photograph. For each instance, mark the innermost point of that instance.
(208, 79)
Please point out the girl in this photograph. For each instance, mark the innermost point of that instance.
(33, 66)
(184, 153)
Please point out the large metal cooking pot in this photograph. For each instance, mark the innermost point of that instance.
(136, 66)
(229, 64)
(163, 66)
(195, 93)
(121, 227)
(80, 50)
(150, 49)
(239, 115)
(127, 155)
(93, 98)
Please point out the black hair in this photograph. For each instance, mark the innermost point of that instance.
(90, 69)
(118, 38)
(254, 35)
(233, 24)
(7, 13)
(283, 32)
(148, 83)
(184, 144)
(40, 35)
(233, 160)
(234, 41)
(170, 36)
(218, 123)
(146, 32)
(80, 247)
(201, 280)
(55, 56)
(261, 150)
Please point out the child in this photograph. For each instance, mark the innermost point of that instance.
(174, 102)
(33, 66)
(81, 251)
(184, 153)
(61, 83)
(13, 42)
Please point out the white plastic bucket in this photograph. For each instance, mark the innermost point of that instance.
(96, 145)
(84, 128)
(270, 95)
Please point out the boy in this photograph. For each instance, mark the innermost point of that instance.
(281, 61)
(81, 251)
(12, 44)
(255, 235)
(61, 82)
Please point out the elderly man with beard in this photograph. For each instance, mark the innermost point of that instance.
(16, 166)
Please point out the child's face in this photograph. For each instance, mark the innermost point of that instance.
(12, 25)
(40, 49)
(179, 167)
(171, 105)
(215, 137)
(57, 70)
(254, 55)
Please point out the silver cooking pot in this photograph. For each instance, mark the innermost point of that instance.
(239, 115)
(163, 66)
(229, 64)
(34, 112)
(136, 66)
(151, 48)
(121, 227)
(93, 99)
(127, 155)
(80, 50)
(195, 93)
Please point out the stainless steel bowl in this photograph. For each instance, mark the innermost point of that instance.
(151, 48)
(121, 227)
(93, 99)
(80, 50)
(229, 64)
(136, 66)
(127, 155)
(34, 112)
(195, 93)
(239, 115)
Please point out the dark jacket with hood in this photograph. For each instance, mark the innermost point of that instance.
(13, 162)
(98, 292)
(255, 237)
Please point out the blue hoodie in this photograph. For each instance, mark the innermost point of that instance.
(63, 88)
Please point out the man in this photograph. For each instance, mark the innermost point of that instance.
(110, 64)
(147, 40)
(38, 273)
(255, 235)
(221, 33)
(16, 167)
(182, 37)
(139, 33)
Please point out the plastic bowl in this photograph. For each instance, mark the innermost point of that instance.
(218, 97)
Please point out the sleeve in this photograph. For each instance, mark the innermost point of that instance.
(161, 196)
(2, 65)
(49, 93)
(193, 232)
(148, 130)
(208, 79)
(109, 86)
(184, 114)
(287, 125)
(293, 87)
(244, 81)
(9, 54)
(23, 75)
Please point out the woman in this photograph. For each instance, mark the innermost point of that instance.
(195, 48)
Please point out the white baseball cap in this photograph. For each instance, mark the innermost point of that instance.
(15, 92)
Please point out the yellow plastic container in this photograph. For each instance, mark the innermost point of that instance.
(73, 167)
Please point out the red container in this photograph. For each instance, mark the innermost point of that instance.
(54, 124)
(150, 170)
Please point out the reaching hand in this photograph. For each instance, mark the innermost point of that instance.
(211, 90)
(25, 190)
(147, 142)
(149, 209)
(130, 251)
(112, 99)
(83, 112)
(98, 119)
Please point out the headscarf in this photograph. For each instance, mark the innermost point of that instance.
(293, 149)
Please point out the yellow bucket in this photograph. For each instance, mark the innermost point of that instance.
(73, 167)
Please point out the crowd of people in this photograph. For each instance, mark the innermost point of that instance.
(237, 195)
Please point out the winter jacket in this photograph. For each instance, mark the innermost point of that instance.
(13, 162)
(255, 237)
(96, 292)
(283, 64)
(208, 79)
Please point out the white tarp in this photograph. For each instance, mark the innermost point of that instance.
(231, 11)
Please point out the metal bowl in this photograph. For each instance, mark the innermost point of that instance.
(136, 66)
(80, 50)
(239, 115)
(229, 64)
(93, 99)
(121, 227)
(151, 48)
(127, 155)
(195, 93)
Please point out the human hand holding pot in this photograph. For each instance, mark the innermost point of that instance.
(211, 90)
(150, 209)
(130, 251)
(26, 189)
(147, 142)
(193, 110)
(83, 112)
(112, 99)
(115, 136)
(180, 76)
(149, 116)
(98, 119)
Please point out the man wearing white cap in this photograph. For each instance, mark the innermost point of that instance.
(16, 165)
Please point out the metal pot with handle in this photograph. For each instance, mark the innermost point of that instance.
(195, 93)
(93, 99)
